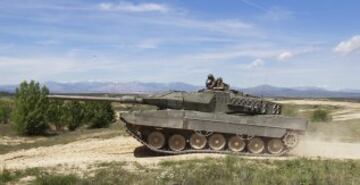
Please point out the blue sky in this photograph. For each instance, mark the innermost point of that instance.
(285, 43)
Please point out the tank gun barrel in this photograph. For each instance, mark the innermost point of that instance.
(123, 99)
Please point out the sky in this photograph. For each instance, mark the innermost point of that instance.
(287, 43)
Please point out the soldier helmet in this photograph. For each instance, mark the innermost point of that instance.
(220, 79)
(211, 76)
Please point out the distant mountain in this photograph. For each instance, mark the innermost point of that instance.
(308, 92)
(109, 87)
(140, 87)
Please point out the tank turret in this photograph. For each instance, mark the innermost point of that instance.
(230, 102)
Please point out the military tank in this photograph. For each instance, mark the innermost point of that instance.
(208, 121)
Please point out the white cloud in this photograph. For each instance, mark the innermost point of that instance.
(131, 7)
(348, 46)
(251, 51)
(256, 63)
(148, 44)
(277, 14)
(228, 26)
(285, 55)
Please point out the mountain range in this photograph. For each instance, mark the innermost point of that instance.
(140, 87)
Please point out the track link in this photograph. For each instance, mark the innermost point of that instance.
(188, 151)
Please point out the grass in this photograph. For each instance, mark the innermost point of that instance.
(209, 171)
(306, 111)
(7, 176)
(321, 115)
(344, 131)
(67, 137)
(321, 124)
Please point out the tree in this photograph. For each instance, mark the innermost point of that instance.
(74, 114)
(57, 114)
(31, 106)
(99, 114)
(5, 111)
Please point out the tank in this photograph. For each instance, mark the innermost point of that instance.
(208, 121)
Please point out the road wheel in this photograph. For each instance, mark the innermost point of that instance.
(156, 139)
(197, 141)
(236, 144)
(177, 142)
(217, 142)
(256, 145)
(291, 139)
(275, 146)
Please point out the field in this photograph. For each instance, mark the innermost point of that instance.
(328, 154)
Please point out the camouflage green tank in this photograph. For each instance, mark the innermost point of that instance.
(208, 121)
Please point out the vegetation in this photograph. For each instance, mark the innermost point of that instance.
(100, 114)
(31, 106)
(33, 113)
(75, 114)
(5, 111)
(56, 114)
(63, 138)
(321, 115)
(229, 170)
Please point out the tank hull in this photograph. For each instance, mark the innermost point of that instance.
(186, 123)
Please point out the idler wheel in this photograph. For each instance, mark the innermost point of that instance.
(275, 146)
(177, 142)
(256, 145)
(217, 142)
(236, 144)
(291, 139)
(156, 139)
(197, 141)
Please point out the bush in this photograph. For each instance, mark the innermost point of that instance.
(56, 114)
(321, 115)
(100, 114)
(31, 106)
(74, 114)
(5, 111)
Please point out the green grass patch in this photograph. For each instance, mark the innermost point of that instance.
(321, 115)
(63, 138)
(47, 179)
(7, 176)
(210, 171)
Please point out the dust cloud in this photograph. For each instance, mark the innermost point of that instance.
(312, 146)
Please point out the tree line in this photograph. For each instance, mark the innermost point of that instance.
(32, 113)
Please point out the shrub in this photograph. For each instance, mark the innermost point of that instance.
(74, 114)
(320, 115)
(100, 114)
(31, 106)
(56, 114)
(5, 111)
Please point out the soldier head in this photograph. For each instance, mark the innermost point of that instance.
(211, 77)
(220, 80)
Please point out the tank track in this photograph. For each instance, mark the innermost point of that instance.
(189, 151)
